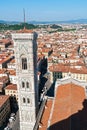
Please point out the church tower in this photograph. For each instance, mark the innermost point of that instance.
(26, 61)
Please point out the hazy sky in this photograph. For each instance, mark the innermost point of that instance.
(43, 10)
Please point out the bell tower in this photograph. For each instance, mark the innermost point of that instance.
(26, 70)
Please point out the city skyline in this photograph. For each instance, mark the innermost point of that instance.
(47, 10)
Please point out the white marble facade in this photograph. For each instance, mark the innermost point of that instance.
(26, 70)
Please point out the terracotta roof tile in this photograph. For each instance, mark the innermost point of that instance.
(25, 31)
(46, 114)
(68, 100)
(3, 99)
(11, 87)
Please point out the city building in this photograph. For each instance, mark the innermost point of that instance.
(4, 109)
(4, 80)
(58, 71)
(11, 90)
(11, 64)
(4, 59)
(4, 43)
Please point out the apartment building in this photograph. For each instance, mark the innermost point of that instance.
(60, 71)
(3, 82)
(11, 90)
(4, 43)
(11, 64)
(4, 108)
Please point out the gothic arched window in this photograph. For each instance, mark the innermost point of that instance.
(28, 100)
(24, 63)
(23, 85)
(27, 84)
(24, 100)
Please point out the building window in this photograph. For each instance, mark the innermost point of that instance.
(27, 84)
(86, 87)
(23, 85)
(24, 63)
(28, 100)
(24, 100)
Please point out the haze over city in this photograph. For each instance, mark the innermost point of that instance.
(43, 10)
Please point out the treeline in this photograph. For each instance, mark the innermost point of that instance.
(54, 26)
(19, 26)
(63, 30)
(28, 26)
(16, 26)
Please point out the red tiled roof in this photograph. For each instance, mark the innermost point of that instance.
(25, 31)
(3, 99)
(11, 87)
(5, 41)
(68, 101)
(12, 61)
(3, 79)
(46, 114)
(67, 68)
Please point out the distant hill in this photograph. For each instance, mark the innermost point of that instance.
(9, 22)
(78, 21)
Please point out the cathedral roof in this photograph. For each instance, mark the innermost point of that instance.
(24, 30)
(68, 100)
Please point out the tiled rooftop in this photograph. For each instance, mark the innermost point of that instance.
(68, 68)
(3, 99)
(3, 79)
(5, 41)
(68, 101)
(25, 31)
(5, 71)
(11, 87)
(46, 114)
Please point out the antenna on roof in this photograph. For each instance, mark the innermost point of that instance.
(24, 16)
